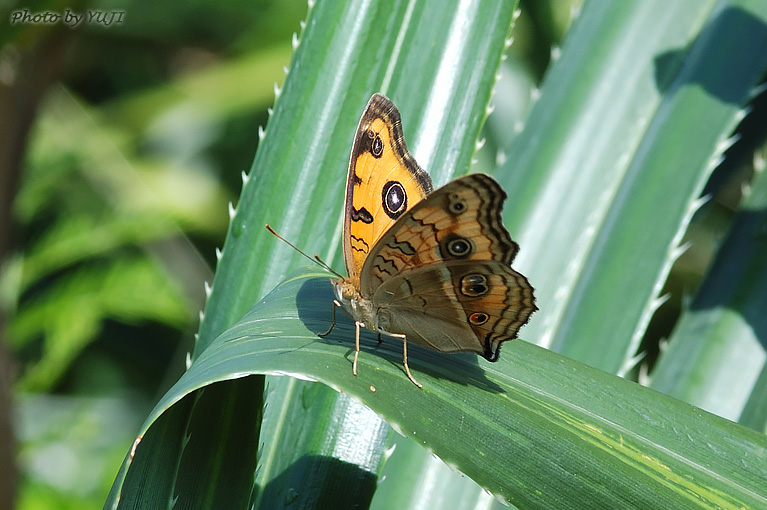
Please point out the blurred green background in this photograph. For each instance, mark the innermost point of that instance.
(122, 147)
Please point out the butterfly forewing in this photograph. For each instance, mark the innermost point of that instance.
(460, 221)
(383, 182)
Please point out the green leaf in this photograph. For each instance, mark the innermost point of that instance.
(320, 448)
(716, 354)
(549, 426)
(630, 122)
(187, 446)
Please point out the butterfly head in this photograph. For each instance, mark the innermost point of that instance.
(361, 309)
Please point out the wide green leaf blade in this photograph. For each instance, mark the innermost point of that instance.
(630, 122)
(319, 449)
(147, 480)
(717, 354)
(554, 431)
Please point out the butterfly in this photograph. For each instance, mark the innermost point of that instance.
(428, 267)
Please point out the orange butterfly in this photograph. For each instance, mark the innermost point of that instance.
(429, 267)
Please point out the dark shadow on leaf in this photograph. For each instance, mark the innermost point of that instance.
(737, 279)
(336, 485)
(459, 367)
(732, 32)
(212, 435)
(667, 66)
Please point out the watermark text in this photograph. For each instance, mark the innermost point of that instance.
(69, 17)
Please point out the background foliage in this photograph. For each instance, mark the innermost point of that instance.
(138, 134)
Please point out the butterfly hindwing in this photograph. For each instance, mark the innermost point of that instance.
(459, 305)
(441, 275)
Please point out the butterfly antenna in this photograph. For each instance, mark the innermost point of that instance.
(316, 259)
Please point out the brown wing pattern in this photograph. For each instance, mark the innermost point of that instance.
(461, 305)
(383, 182)
(460, 221)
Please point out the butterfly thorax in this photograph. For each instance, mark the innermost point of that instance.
(361, 309)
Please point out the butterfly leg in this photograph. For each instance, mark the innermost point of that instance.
(357, 325)
(404, 359)
(336, 304)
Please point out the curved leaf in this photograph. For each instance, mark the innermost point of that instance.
(550, 428)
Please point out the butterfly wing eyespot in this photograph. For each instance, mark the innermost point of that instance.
(474, 285)
(455, 246)
(478, 318)
(374, 144)
(394, 199)
(456, 205)
(376, 147)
